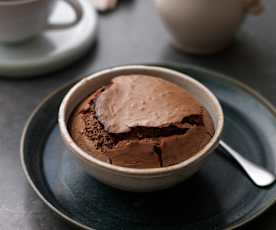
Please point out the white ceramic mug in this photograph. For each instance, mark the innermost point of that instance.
(23, 19)
(204, 26)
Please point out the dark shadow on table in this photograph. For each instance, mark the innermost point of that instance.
(264, 221)
(244, 54)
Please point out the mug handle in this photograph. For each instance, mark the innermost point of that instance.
(75, 5)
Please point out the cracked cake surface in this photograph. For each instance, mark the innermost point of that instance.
(141, 121)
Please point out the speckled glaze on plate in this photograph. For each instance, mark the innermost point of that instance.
(219, 196)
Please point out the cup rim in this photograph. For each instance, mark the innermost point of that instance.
(147, 171)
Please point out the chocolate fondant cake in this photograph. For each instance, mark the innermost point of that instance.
(141, 121)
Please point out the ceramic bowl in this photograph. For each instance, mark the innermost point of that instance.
(131, 179)
(203, 26)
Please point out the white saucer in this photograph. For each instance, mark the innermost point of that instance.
(53, 49)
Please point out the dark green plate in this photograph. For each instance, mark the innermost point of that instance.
(219, 196)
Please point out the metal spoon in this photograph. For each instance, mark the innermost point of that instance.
(260, 176)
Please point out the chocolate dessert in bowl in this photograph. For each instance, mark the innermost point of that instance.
(140, 128)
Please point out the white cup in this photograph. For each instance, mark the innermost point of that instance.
(204, 26)
(23, 19)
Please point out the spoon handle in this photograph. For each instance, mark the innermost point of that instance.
(260, 176)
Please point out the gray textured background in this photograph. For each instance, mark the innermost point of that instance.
(131, 34)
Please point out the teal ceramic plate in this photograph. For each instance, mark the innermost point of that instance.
(219, 196)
